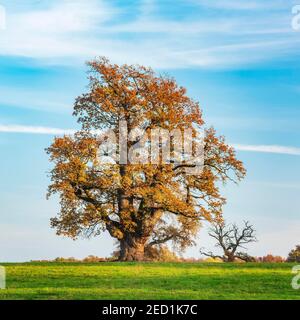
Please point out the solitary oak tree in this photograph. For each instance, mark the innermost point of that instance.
(139, 204)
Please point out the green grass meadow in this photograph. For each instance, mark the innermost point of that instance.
(148, 281)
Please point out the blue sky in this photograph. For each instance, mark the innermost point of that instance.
(239, 59)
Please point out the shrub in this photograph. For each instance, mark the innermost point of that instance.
(294, 255)
(269, 258)
(61, 259)
(92, 258)
(160, 253)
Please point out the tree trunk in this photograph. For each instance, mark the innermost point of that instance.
(230, 257)
(132, 249)
(132, 245)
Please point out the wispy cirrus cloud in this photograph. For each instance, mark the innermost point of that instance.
(34, 130)
(268, 149)
(242, 4)
(57, 131)
(60, 29)
(67, 32)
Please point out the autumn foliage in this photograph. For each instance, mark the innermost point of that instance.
(269, 258)
(138, 204)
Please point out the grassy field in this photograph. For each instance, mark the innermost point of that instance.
(148, 281)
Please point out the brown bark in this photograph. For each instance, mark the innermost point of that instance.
(132, 249)
(132, 245)
(230, 258)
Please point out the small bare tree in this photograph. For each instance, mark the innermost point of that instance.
(230, 238)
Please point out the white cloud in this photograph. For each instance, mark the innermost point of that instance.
(60, 30)
(242, 4)
(240, 147)
(34, 130)
(150, 25)
(65, 17)
(268, 149)
(70, 32)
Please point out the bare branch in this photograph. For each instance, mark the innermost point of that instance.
(230, 238)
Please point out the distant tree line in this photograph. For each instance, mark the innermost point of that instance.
(164, 254)
(231, 239)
